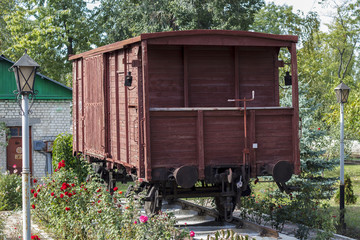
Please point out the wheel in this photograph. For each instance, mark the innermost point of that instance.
(153, 205)
(225, 207)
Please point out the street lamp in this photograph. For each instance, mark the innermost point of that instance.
(25, 70)
(342, 94)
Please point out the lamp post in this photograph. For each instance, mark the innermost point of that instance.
(25, 70)
(342, 94)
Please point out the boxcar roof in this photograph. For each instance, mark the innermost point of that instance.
(199, 37)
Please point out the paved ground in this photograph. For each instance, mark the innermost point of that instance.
(13, 227)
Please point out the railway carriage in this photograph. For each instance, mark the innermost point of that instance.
(193, 113)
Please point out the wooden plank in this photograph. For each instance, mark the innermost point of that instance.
(236, 75)
(295, 103)
(147, 152)
(76, 105)
(186, 77)
(252, 138)
(117, 110)
(200, 144)
(221, 40)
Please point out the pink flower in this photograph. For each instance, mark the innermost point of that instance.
(14, 166)
(135, 222)
(143, 218)
(192, 234)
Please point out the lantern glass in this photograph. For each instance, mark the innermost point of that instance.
(25, 71)
(25, 77)
(342, 93)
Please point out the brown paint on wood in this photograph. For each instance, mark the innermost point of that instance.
(295, 103)
(200, 144)
(199, 68)
(14, 151)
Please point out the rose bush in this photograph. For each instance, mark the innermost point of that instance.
(73, 209)
(10, 191)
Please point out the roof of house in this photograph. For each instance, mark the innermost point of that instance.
(47, 88)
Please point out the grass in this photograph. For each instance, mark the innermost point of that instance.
(352, 214)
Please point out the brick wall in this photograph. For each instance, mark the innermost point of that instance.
(48, 118)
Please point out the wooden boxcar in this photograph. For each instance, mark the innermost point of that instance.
(169, 108)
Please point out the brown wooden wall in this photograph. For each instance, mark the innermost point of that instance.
(106, 113)
(216, 137)
(207, 76)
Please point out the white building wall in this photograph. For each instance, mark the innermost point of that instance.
(48, 118)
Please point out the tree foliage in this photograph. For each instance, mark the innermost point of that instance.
(51, 31)
(122, 19)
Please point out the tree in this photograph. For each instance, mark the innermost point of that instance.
(51, 31)
(280, 19)
(122, 19)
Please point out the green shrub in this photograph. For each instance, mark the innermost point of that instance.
(350, 197)
(87, 210)
(10, 191)
(63, 150)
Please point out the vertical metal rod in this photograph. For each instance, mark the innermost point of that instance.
(26, 169)
(342, 182)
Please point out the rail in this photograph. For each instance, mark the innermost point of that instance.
(262, 230)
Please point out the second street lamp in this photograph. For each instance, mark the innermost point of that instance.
(25, 70)
(342, 94)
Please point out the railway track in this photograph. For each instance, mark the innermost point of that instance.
(204, 221)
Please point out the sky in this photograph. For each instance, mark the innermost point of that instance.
(306, 6)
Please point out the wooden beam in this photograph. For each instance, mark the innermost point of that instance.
(147, 153)
(186, 77)
(236, 75)
(200, 143)
(295, 103)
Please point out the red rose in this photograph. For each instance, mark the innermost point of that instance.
(56, 170)
(98, 190)
(67, 208)
(116, 188)
(32, 190)
(52, 194)
(73, 185)
(99, 211)
(66, 193)
(33, 206)
(63, 161)
(99, 201)
(38, 190)
(35, 195)
(61, 195)
(69, 194)
(35, 181)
